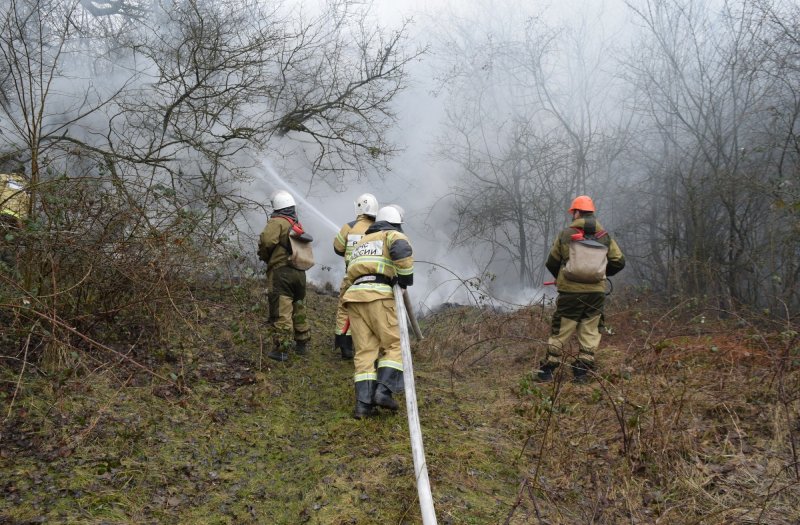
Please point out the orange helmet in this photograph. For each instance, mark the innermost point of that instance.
(582, 203)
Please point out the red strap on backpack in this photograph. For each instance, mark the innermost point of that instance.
(580, 235)
(296, 227)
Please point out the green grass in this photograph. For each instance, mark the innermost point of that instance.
(274, 444)
(252, 441)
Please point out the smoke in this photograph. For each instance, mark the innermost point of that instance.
(442, 273)
(419, 180)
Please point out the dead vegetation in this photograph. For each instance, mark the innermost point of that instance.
(692, 419)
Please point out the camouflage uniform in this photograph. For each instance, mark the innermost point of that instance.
(579, 306)
(343, 244)
(381, 258)
(286, 285)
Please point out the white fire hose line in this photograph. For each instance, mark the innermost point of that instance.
(411, 317)
(417, 450)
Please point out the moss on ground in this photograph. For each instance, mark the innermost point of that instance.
(668, 433)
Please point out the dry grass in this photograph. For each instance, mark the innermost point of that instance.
(690, 420)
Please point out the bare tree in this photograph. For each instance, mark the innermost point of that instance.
(135, 121)
(529, 127)
(201, 80)
(505, 200)
(778, 150)
(705, 99)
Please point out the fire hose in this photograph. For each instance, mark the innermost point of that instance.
(411, 317)
(417, 449)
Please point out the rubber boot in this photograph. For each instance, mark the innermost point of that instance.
(580, 372)
(278, 356)
(364, 392)
(338, 342)
(301, 347)
(347, 347)
(383, 398)
(389, 380)
(277, 352)
(545, 372)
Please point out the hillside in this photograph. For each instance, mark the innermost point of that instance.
(693, 420)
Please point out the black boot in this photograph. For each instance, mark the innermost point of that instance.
(383, 397)
(580, 371)
(278, 352)
(545, 373)
(347, 347)
(389, 380)
(278, 356)
(364, 392)
(338, 342)
(301, 347)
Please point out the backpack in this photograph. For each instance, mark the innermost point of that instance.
(301, 256)
(587, 257)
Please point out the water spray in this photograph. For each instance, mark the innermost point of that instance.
(267, 165)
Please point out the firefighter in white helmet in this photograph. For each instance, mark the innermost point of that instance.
(366, 207)
(286, 284)
(381, 258)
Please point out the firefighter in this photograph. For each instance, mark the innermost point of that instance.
(14, 202)
(13, 199)
(286, 285)
(579, 306)
(366, 206)
(381, 258)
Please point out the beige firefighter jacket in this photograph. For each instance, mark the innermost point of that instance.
(13, 198)
(349, 235)
(384, 254)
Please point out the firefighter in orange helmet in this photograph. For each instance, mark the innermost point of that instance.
(366, 207)
(382, 257)
(581, 292)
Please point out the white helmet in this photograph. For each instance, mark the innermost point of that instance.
(282, 199)
(391, 213)
(366, 204)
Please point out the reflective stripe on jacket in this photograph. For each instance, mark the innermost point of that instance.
(349, 235)
(387, 253)
(14, 199)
